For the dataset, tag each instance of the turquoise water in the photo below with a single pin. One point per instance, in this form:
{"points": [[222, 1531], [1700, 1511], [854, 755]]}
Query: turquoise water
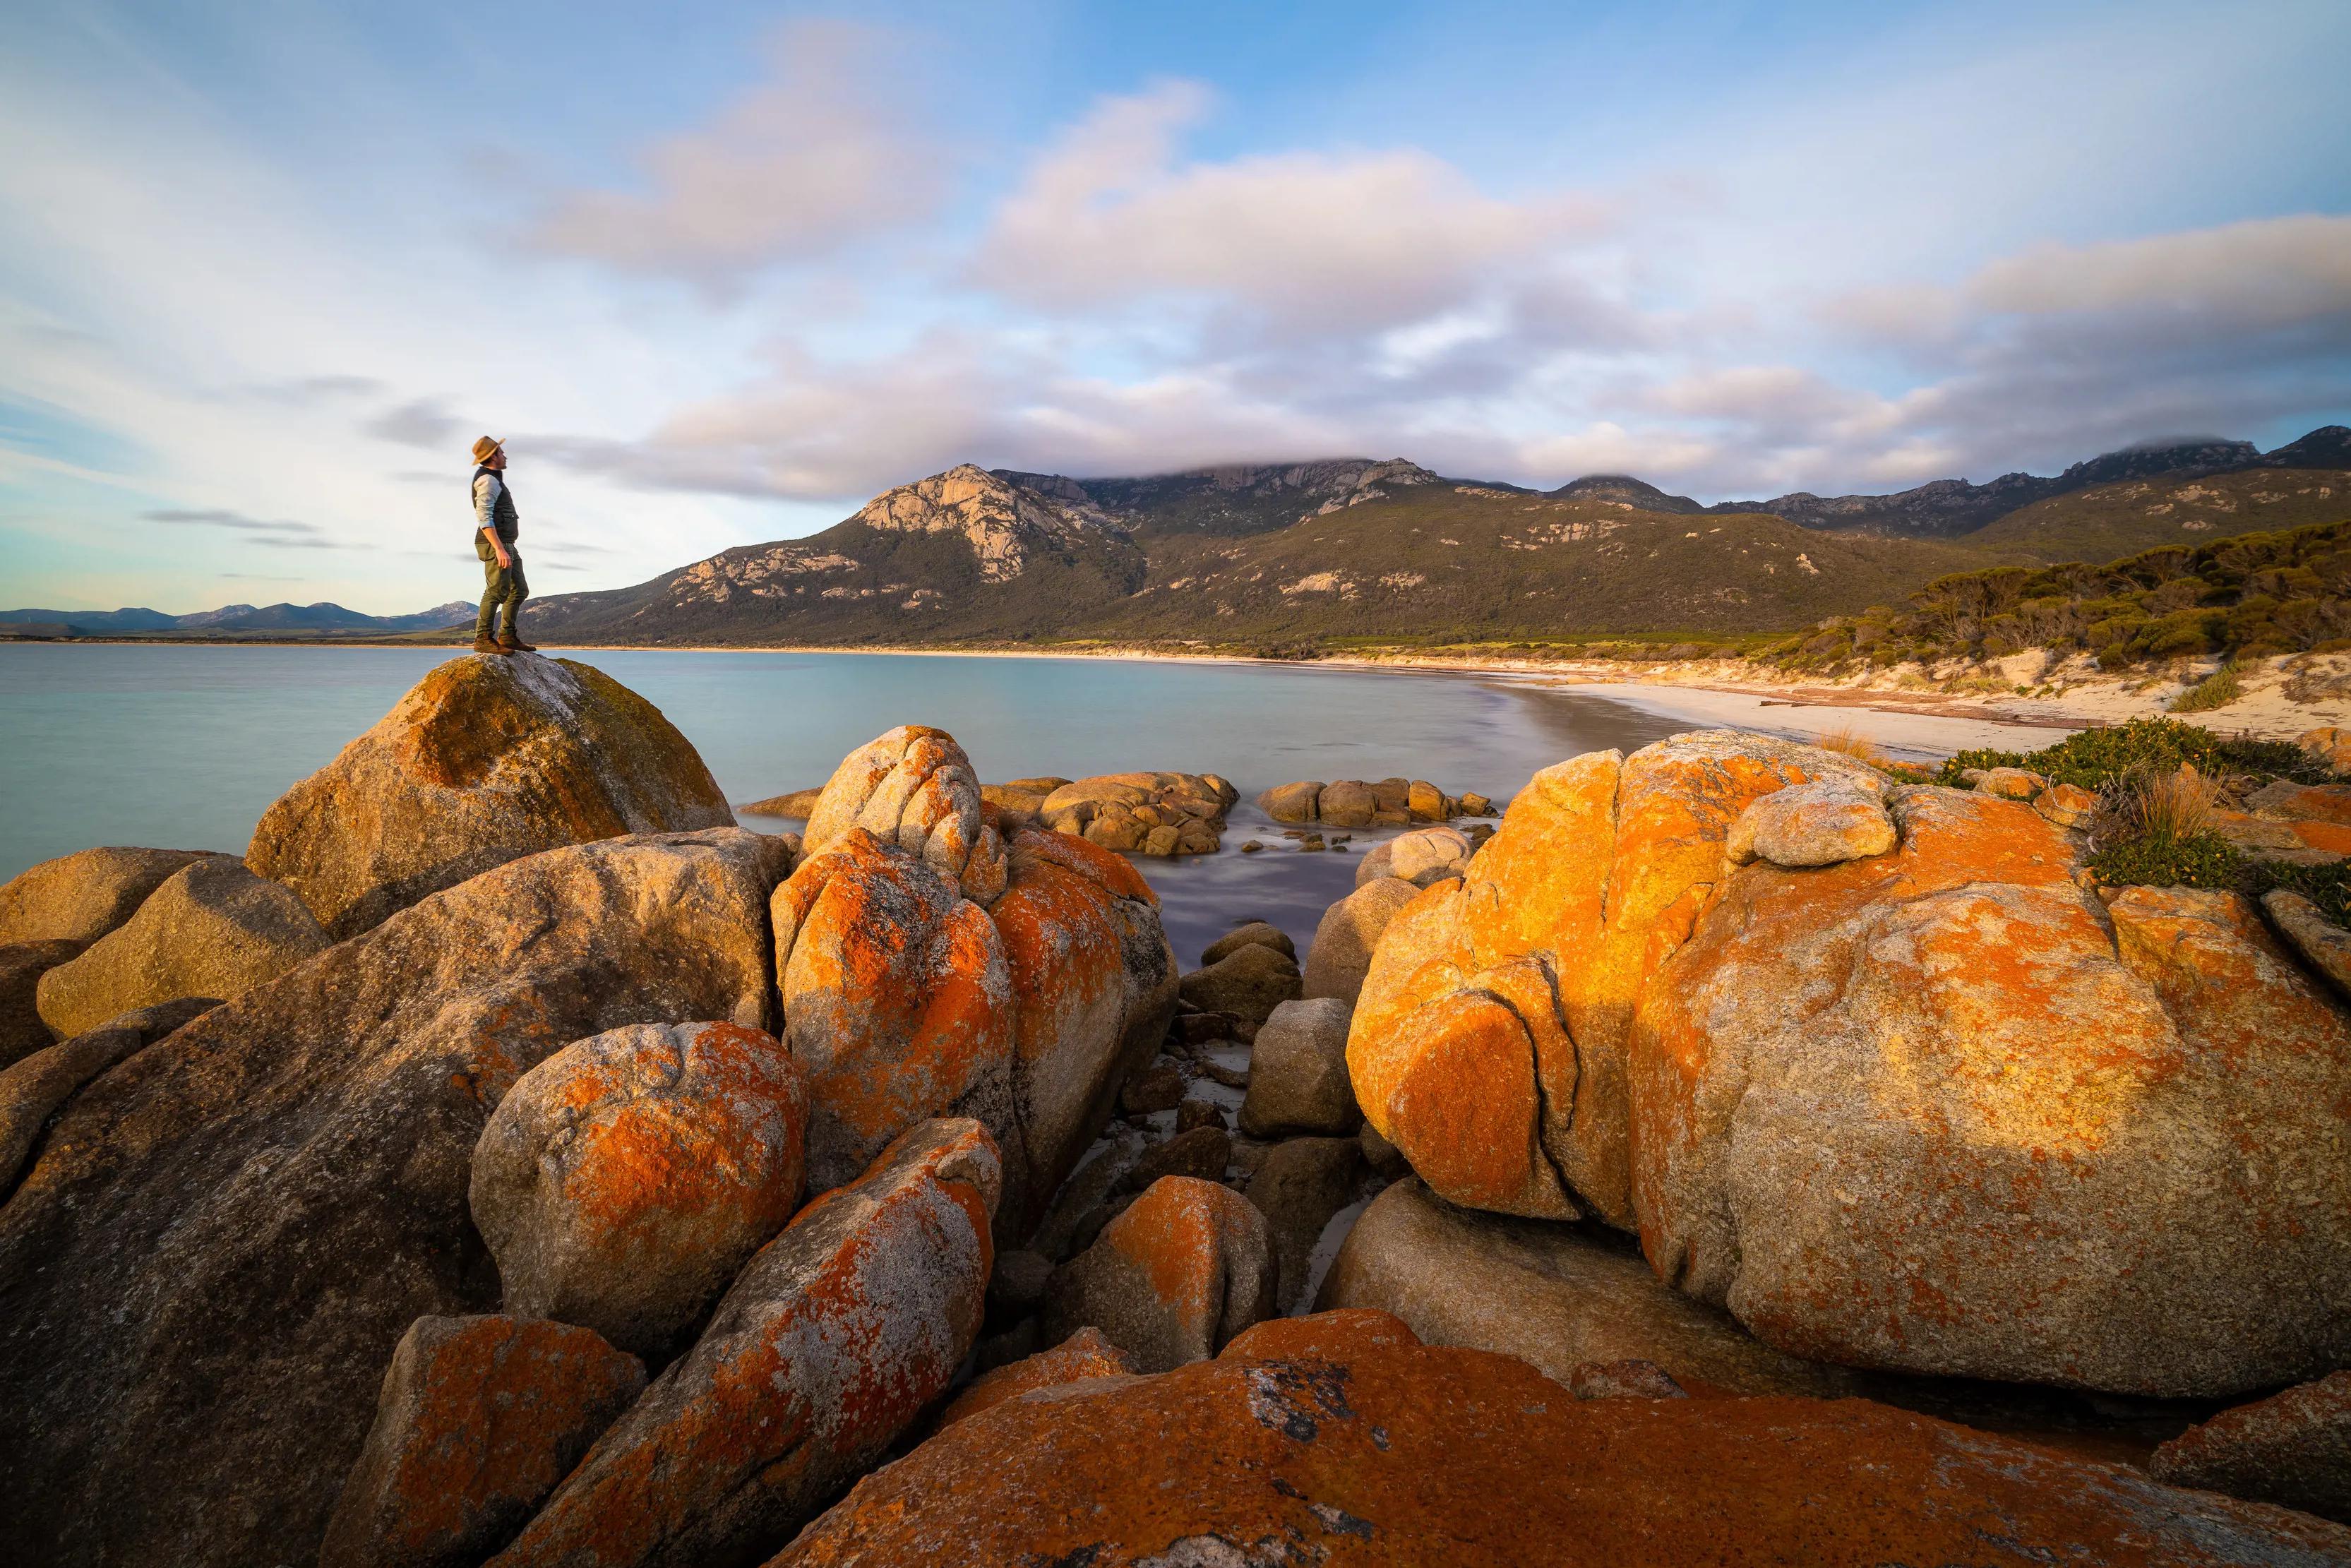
{"points": [[184, 747]]}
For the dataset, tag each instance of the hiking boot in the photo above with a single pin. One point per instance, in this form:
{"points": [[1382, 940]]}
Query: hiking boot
{"points": [[510, 643], [484, 645]]}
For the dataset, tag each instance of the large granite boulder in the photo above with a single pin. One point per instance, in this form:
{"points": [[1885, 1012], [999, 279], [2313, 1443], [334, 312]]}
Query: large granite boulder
{"points": [[477, 1419], [1347, 935], [204, 1273], [896, 997], [1916, 1113], [22, 965], [914, 789], [1183, 1269], [829, 1344], [1555, 1296], [485, 760], [211, 929], [1491, 1035], [1345, 1446], [1094, 983], [621, 1183], [908, 992], [32, 1090], [80, 897]]}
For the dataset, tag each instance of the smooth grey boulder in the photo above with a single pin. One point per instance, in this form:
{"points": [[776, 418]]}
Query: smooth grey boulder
{"points": [[622, 1182], [1350, 930], [22, 965], [1247, 983], [211, 929], [204, 1272], [32, 1090], [1297, 1186], [82, 896], [477, 1420], [1421, 857], [1298, 1072], [1825, 822], [1548, 1293]]}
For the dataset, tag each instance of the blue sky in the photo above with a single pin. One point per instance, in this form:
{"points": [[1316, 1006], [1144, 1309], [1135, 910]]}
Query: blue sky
{"points": [[721, 272]]}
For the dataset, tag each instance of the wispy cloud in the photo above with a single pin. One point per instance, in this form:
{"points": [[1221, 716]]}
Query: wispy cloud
{"points": [[826, 154], [278, 534], [424, 423]]}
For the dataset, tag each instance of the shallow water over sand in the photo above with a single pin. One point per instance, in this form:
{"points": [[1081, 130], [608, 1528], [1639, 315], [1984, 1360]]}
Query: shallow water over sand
{"points": [[184, 747]]}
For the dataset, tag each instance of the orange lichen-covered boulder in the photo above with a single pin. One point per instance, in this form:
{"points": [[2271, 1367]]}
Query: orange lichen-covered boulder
{"points": [[220, 1242], [1085, 1353], [829, 1344], [1092, 984], [2292, 1448], [478, 1418], [485, 760], [896, 997], [622, 1181], [1187, 1266], [1349, 1453], [914, 788], [1490, 1036], [1918, 1112]]}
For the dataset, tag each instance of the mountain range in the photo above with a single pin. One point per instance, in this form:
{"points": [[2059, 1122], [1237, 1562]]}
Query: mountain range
{"points": [[1271, 557], [229, 618], [1353, 548]]}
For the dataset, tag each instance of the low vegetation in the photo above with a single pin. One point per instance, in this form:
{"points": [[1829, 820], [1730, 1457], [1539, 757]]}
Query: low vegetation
{"points": [[2098, 760], [2252, 596]]}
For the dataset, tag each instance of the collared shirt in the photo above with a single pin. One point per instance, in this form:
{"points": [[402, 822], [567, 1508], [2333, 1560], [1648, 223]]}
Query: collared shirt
{"points": [[487, 489]]}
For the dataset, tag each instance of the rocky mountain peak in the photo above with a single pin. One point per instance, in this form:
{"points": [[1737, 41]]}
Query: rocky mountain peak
{"points": [[1003, 522], [1623, 490]]}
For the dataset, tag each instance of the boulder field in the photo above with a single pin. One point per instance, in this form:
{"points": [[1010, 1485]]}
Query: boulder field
{"points": [[514, 1162], [291, 1247]]}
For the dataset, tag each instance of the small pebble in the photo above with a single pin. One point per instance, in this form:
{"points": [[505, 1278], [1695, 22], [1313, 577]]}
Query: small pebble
{"points": [[1252, 847]]}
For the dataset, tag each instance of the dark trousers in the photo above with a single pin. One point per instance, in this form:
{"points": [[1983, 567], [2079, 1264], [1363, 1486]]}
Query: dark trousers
{"points": [[500, 585]]}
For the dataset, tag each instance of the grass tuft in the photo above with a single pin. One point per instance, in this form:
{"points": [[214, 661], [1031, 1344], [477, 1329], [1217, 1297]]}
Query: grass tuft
{"points": [[2218, 689]]}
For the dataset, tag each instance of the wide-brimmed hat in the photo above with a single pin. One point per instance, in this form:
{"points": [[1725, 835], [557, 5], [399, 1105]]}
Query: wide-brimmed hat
{"points": [[485, 446]]}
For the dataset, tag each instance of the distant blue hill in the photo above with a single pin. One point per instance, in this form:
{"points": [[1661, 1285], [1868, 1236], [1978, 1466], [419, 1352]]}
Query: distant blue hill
{"points": [[319, 617]]}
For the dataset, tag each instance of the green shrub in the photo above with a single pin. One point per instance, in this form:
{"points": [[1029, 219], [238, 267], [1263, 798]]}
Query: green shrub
{"points": [[2218, 689], [2197, 860], [2097, 757]]}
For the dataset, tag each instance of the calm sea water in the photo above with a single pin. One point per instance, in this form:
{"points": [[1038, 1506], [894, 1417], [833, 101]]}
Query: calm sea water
{"points": [[184, 747]]}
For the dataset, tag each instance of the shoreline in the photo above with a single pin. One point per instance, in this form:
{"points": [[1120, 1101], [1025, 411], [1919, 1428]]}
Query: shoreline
{"points": [[2283, 696]]}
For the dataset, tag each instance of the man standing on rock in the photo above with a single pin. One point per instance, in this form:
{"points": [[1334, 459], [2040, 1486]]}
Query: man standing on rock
{"points": [[496, 526]]}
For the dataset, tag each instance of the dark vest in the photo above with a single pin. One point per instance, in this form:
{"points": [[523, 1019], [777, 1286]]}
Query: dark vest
{"points": [[502, 511]]}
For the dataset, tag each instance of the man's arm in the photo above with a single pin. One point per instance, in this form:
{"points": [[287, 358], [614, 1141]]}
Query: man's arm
{"points": [[485, 510]]}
